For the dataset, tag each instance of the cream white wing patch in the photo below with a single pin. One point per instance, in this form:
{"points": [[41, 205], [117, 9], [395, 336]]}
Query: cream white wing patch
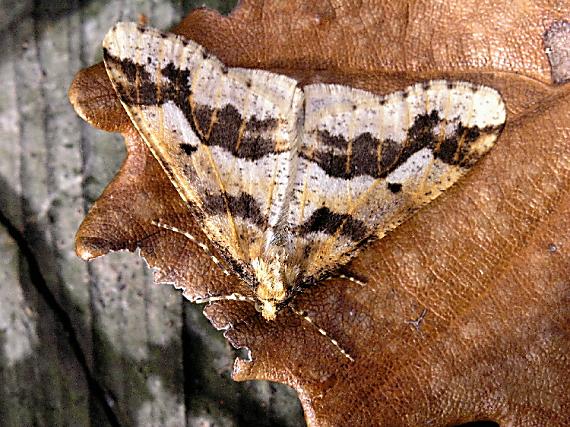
{"points": [[369, 162], [226, 137], [290, 183]]}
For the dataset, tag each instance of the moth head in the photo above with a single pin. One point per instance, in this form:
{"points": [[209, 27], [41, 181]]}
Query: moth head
{"points": [[275, 280]]}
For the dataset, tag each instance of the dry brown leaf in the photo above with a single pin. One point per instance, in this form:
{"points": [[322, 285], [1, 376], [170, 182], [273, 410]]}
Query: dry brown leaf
{"points": [[485, 268]]}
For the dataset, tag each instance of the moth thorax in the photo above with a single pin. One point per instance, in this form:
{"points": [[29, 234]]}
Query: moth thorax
{"points": [[275, 278]]}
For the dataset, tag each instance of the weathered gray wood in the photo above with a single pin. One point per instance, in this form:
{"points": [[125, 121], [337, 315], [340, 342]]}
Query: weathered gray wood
{"points": [[99, 343]]}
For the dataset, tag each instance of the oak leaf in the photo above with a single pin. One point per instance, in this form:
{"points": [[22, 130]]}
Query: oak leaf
{"points": [[466, 307]]}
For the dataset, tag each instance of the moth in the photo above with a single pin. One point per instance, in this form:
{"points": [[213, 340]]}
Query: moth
{"points": [[289, 183]]}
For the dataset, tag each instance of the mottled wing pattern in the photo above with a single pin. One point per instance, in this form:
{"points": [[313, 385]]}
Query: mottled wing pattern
{"points": [[227, 137], [319, 172], [368, 162]]}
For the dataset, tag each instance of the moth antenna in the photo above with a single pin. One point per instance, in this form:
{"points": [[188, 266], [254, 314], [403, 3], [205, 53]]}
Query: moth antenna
{"points": [[231, 297], [351, 279], [192, 238], [345, 277], [322, 332]]}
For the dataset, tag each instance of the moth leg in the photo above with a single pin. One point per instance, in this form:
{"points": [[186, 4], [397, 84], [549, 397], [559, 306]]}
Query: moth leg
{"points": [[196, 241], [322, 332], [231, 297], [346, 277]]}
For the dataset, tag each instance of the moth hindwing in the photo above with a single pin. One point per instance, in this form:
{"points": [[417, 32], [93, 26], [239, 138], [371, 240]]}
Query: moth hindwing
{"points": [[292, 182]]}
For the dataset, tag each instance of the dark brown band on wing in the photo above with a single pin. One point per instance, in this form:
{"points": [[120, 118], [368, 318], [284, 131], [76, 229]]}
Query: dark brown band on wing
{"points": [[249, 138], [326, 221], [378, 158], [322, 220], [243, 206]]}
